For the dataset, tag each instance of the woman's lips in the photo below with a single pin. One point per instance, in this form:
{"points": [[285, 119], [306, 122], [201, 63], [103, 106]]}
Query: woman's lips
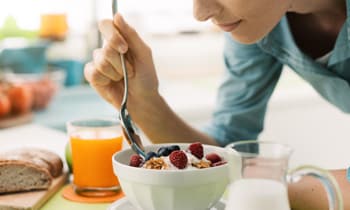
{"points": [[229, 27]]}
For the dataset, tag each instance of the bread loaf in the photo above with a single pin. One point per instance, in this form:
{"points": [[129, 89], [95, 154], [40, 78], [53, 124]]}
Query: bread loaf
{"points": [[28, 169]]}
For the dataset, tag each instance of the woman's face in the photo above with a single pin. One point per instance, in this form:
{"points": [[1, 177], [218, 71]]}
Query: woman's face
{"points": [[247, 20]]}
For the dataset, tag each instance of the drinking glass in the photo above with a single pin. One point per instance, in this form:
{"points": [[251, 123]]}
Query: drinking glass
{"points": [[93, 143]]}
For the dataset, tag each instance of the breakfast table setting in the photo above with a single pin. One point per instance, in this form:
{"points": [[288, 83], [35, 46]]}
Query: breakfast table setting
{"points": [[48, 130], [142, 186], [38, 136]]}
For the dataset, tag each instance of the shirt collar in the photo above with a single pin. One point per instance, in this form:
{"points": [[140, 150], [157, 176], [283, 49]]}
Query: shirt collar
{"points": [[281, 37], [342, 45], [341, 49]]}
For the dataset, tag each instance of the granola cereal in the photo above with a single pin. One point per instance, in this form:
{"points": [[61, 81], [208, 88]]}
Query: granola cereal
{"points": [[156, 163]]}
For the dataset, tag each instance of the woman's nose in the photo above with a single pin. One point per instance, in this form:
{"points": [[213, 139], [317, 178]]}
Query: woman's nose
{"points": [[204, 9]]}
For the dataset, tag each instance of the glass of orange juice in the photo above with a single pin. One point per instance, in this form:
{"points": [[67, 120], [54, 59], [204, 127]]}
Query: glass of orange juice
{"points": [[93, 143]]}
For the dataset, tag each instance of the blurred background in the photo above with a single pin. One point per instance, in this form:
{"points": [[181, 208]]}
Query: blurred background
{"points": [[53, 39]]}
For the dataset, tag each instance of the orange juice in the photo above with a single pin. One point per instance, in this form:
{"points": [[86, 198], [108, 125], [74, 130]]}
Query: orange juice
{"points": [[92, 158]]}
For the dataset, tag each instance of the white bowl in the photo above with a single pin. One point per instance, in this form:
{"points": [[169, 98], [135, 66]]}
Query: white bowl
{"points": [[150, 189]]}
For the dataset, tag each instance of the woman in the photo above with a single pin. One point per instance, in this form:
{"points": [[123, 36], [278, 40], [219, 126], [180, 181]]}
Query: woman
{"points": [[309, 36]]}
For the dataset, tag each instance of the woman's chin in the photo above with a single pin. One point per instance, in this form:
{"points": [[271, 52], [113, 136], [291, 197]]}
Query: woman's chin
{"points": [[245, 39]]}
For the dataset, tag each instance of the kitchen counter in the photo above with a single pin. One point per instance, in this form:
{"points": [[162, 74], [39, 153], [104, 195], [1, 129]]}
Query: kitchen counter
{"points": [[57, 202]]}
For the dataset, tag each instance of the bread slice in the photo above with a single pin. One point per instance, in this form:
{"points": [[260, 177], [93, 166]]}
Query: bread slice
{"points": [[26, 169], [45, 158], [17, 176]]}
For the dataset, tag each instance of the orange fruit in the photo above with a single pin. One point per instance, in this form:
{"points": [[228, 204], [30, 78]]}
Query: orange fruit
{"points": [[5, 105], [21, 98]]}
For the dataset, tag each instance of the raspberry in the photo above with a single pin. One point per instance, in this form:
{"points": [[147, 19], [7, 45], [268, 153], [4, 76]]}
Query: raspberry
{"points": [[213, 157], [196, 149], [222, 162], [135, 160], [179, 159]]}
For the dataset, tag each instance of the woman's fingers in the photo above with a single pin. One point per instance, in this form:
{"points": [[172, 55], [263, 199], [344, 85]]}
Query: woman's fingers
{"points": [[112, 36], [104, 66], [135, 43], [94, 77], [113, 46]]}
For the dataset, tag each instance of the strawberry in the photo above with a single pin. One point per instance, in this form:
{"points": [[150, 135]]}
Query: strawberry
{"points": [[222, 162], [135, 160], [213, 157], [196, 149], [179, 159]]}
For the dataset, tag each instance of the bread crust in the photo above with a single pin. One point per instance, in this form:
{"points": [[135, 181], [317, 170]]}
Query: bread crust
{"points": [[43, 158], [25, 169], [25, 163]]}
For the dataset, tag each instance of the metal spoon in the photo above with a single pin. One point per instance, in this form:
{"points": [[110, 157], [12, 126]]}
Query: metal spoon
{"points": [[133, 139]]}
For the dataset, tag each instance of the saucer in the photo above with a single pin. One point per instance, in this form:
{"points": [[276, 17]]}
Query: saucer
{"points": [[124, 204]]}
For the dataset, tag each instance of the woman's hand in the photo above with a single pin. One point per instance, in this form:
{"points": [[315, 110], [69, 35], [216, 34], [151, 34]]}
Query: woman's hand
{"points": [[146, 106], [105, 73]]}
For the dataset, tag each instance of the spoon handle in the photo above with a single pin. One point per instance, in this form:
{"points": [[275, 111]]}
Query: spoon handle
{"points": [[114, 7], [129, 133]]}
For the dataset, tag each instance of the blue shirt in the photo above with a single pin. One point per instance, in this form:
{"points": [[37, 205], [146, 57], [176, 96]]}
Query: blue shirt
{"points": [[252, 72]]}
